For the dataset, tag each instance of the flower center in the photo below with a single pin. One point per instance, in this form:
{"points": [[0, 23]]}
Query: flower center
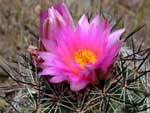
{"points": [[84, 56]]}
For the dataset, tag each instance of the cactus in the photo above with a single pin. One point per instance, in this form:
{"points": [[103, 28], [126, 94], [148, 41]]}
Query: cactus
{"points": [[127, 91]]}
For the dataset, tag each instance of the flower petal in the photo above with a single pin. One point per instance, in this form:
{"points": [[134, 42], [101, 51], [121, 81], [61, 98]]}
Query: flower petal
{"points": [[63, 10], [81, 33], [73, 78], [110, 55], [95, 22], [114, 37], [57, 79], [83, 23], [50, 71], [105, 24], [76, 86], [47, 56], [50, 26], [43, 17], [56, 18]]}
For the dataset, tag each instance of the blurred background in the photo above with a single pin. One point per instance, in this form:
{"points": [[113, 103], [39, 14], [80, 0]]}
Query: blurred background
{"points": [[19, 23], [19, 19]]}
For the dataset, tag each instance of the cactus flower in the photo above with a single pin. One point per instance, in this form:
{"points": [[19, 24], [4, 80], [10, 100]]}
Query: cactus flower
{"points": [[73, 53]]}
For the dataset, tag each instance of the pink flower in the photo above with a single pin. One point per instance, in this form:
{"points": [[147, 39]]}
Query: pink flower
{"points": [[73, 53]]}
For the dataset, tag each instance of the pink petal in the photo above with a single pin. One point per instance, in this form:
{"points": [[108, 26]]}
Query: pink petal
{"points": [[110, 55], [101, 45], [105, 24], [64, 53], [56, 18], [115, 36], [63, 10], [95, 22], [50, 71], [83, 23], [43, 17], [46, 56], [59, 65], [51, 25], [48, 32], [87, 74], [57, 79], [99, 35], [73, 78], [49, 44], [81, 33], [76, 86], [91, 76]]}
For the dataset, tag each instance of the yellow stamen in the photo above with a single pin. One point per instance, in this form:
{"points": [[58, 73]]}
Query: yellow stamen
{"points": [[84, 56]]}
